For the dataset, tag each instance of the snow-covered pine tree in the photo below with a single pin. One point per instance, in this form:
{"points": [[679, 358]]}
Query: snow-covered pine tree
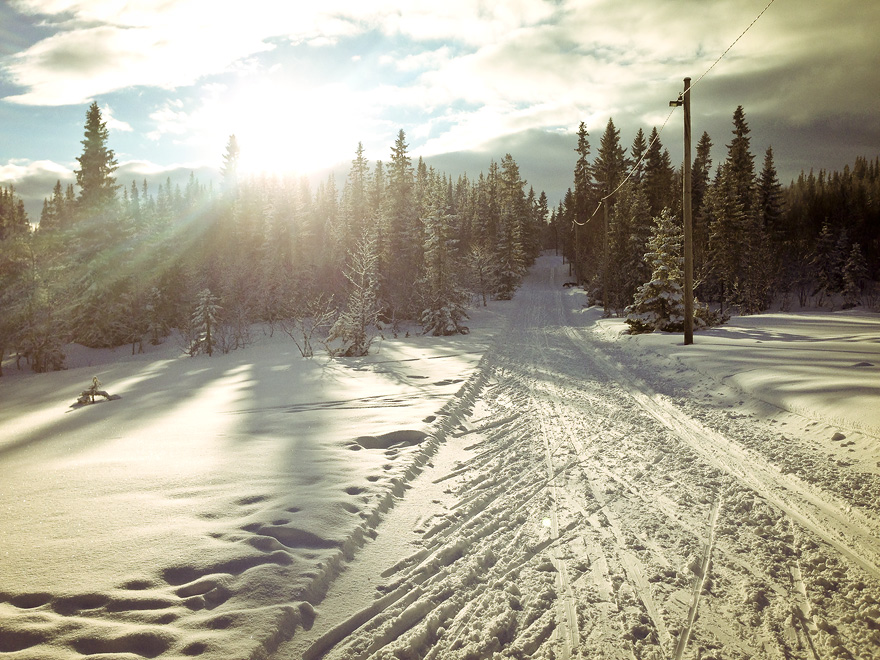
{"points": [[355, 326], [659, 304], [204, 323]]}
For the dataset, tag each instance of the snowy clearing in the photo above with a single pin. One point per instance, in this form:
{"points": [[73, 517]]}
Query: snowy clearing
{"points": [[544, 487]]}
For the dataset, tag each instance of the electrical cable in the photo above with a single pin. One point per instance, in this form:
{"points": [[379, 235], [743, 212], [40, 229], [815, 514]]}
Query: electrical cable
{"points": [[666, 121]]}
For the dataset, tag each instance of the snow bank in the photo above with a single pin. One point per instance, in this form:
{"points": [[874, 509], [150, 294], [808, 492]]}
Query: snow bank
{"points": [[822, 365]]}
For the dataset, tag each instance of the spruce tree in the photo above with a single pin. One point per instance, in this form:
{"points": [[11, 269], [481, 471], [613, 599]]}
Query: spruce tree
{"points": [[855, 274], [582, 176], [354, 196], [637, 151], [609, 167], [445, 300], [510, 257], [658, 176], [741, 162], [204, 323], [582, 198], [96, 165], [356, 326], [659, 303], [630, 229], [404, 244], [727, 225], [229, 169], [770, 198]]}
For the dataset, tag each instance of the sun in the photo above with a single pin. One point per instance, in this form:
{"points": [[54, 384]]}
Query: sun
{"points": [[288, 130]]}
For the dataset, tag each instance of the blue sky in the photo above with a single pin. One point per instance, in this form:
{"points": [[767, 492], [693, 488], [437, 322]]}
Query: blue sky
{"points": [[300, 84]]}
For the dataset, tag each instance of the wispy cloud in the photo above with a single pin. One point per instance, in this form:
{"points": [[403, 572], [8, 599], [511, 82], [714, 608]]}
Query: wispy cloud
{"points": [[456, 74]]}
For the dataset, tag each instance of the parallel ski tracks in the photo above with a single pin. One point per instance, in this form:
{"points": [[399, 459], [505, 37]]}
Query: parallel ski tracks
{"points": [[851, 533]]}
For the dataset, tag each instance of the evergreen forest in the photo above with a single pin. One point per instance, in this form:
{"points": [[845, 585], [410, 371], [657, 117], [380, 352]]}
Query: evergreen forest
{"points": [[398, 243], [756, 243]]}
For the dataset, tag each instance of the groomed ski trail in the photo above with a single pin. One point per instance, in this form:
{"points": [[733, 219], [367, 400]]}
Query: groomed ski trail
{"points": [[565, 515]]}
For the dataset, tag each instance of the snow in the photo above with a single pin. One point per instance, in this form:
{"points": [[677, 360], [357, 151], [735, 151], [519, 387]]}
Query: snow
{"points": [[823, 365], [546, 486]]}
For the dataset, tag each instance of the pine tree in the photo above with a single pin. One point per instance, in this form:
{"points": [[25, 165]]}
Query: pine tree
{"points": [[609, 167], [659, 304], [404, 244], [355, 327], [510, 257], [445, 300], [229, 169], [700, 177], [204, 323], [658, 176], [637, 151], [855, 274], [741, 162], [770, 197], [97, 165]]}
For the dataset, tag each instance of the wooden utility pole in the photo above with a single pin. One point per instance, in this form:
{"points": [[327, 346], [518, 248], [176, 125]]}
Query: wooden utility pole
{"points": [[688, 222], [605, 259], [687, 211]]}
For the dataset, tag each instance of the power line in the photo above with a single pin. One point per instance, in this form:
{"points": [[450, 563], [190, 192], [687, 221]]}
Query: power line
{"points": [[666, 121]]}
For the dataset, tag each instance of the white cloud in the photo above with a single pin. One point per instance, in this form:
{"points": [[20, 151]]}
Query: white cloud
{"points": [[112, 122], [21, 169], [109, 45], [170, 118], [474, 70]]}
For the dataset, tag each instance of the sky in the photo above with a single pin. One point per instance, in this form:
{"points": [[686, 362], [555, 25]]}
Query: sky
{"points": [[301, 84]]}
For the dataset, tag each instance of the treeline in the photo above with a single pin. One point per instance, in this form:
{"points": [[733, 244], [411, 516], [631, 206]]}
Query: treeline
{"points": [[400, 242], [755, 241]]}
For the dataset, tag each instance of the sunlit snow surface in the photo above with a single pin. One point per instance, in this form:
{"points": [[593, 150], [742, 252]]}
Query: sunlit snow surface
{"points": [[211, 498], [201, 513]]}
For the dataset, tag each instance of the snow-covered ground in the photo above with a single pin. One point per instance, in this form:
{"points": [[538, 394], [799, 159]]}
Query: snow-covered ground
{"points": [[544, 487]]}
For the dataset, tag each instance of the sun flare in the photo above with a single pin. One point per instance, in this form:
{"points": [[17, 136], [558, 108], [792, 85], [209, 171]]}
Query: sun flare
{"points": [[286, 130]]}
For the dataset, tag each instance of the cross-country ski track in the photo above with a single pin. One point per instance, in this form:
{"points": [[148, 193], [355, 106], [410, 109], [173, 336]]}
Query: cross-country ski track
{"points": [[546, 486], [577, 510]]}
